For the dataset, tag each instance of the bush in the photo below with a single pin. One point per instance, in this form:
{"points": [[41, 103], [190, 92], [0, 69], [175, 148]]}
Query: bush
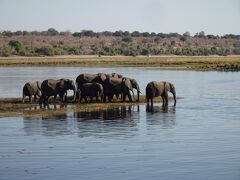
{"points": [[145, 52], [16, 45], [127, 39], [46, 51], [74, 50], [5, 51]]}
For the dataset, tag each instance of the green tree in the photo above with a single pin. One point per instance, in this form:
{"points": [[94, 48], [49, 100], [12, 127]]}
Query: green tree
{"points": [[16, 45], [52, 32], [127, 39]]}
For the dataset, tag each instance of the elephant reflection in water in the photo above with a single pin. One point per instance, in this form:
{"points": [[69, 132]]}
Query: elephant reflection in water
{"points": [[47, 126], [116, 121], [121, 112], [161, 115]]}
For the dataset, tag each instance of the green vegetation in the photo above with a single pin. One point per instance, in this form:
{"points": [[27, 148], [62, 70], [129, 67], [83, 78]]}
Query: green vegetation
{"points": [[88, 42]]}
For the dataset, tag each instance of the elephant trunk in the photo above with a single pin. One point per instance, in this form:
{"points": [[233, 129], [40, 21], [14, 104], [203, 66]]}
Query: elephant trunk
{"points": [[138, 92], [174, 97]]}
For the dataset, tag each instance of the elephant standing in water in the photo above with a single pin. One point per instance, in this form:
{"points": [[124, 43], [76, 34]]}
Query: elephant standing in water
{"points": [[135, 85], [115, 86], [59, 87], [32, 89], [90, 78], [90, 90], [155, 89]]}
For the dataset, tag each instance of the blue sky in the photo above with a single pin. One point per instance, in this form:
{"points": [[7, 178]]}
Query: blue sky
{"points": [[212, 16]]}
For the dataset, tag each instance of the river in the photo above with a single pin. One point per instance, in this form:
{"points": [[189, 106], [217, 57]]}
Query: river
{"points": [[197, 139]]}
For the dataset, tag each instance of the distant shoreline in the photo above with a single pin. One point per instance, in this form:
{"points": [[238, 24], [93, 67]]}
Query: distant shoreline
{"points": [[199, 63]]}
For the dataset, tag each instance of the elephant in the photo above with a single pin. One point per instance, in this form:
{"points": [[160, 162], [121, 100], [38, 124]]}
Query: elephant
{"points": [[113, 86], [154, 89], [51, 87], [31, 89], [90, 90], [116, 75], [135, 85], [89, 78]]}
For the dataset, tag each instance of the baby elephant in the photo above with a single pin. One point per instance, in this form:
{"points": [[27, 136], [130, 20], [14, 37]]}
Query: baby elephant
{"points": [[90, 90], [32, 89], [155, 89]]}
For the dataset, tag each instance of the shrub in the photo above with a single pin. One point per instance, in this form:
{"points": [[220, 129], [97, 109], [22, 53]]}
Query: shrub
{"points": [[5, 51], [74, 50], [46, 51], [127, 39], [16, 45]]}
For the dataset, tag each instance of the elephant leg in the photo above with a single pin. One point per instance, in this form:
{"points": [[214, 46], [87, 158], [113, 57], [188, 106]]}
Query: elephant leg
{"points": [[30, 99], [151, 101], [110, 98], [55, 97], [65, 96], [35, 97], [166, 99], [23, 99], [129, 97], [124, 98], [104, 98], [163, 100], [91, 98]]}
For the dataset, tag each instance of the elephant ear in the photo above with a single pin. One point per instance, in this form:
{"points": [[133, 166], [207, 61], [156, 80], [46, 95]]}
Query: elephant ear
{"points": [[102, 77], [167, 86], [128, 84], [171, 86]]}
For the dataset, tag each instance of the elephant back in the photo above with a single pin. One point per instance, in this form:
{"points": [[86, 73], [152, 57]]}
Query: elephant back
{"points": [[85, 78], [49, 86]]}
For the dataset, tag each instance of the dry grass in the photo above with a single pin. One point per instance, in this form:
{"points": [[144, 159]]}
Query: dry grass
{"points": [[171, 62]]}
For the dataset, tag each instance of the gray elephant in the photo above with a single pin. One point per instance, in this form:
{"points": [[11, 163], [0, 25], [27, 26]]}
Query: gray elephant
{"points": [[135, 85], [113, 86], [154, 89], [90, 78], [53, 87], [31, 89], [90, 90], [116, 75]]}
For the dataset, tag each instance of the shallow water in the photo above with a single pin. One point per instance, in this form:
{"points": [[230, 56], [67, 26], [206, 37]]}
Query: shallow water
{"points": [[197, 139]]}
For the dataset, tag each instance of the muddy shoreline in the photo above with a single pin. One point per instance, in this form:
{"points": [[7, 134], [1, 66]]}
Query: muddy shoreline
{"points": [[13, 107]]}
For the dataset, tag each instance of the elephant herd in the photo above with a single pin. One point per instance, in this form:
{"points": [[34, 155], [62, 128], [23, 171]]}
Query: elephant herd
{"points": [[103, 87]]}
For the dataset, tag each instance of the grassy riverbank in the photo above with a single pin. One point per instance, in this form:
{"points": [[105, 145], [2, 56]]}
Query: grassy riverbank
{"points": [[13, 107], [208, 63]]}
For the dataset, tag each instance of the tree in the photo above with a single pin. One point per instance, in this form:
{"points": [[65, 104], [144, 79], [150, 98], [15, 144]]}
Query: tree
{"points": [[186, 34], [118, 33], [16, 45], [135, 34], [127, 39], [200, 34], [145, 34], [52, 32]]}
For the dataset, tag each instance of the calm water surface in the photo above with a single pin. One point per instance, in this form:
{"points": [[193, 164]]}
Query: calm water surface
{"points": [[198, 139]]}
